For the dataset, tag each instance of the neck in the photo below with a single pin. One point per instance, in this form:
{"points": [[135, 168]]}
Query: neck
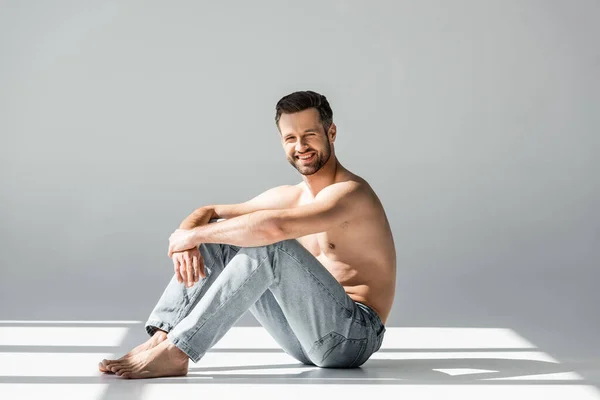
{"points": [[324, 177]]}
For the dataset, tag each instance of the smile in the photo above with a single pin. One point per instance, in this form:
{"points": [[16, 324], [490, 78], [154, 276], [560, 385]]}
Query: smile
{"points": [[308, 158]]}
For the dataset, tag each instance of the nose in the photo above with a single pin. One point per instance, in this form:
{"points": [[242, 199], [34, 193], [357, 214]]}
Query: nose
{"points": [[301, 146]]}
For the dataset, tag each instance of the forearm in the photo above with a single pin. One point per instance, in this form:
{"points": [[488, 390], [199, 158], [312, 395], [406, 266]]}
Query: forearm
{"points": [[249, 230], [199, 217]]}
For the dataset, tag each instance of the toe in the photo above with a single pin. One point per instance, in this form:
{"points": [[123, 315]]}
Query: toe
{"points": [[105, 366], [120, 367], [123, 371], [101, 367]]}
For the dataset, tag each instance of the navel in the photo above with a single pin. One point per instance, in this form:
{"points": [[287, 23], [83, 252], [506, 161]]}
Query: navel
{"points": [[331, 246]]}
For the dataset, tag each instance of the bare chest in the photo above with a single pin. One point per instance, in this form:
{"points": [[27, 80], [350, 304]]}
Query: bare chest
{"points": [[340, 249], [324, 244]]}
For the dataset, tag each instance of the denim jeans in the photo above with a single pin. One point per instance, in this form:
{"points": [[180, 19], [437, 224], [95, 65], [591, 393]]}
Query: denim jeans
{"points": [[291, 294]]}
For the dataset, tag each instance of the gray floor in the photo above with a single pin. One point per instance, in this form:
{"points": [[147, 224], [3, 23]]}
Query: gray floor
{"points": [[55, 359]]}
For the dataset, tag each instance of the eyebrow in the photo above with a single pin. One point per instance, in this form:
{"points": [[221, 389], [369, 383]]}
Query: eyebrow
{"points": [[306, 131]]}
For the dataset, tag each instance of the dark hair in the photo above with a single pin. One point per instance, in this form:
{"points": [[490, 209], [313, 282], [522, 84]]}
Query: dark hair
{"points": [[299, 101]]}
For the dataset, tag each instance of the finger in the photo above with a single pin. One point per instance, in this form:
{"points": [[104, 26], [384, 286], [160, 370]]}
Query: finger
{"points": [[189, 269], [180, 266], [201, 266], [182, 271], [201, 274], [176, 267], [196, 268]]}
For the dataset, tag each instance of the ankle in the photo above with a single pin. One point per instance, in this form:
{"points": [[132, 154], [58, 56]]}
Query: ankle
{"points": [[160, 334], [176, 352]]}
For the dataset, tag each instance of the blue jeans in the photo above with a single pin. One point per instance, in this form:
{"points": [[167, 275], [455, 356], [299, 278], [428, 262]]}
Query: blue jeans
{"points": [[291, 294]]}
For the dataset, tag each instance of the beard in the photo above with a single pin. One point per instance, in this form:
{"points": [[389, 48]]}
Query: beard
{"points": [[315, 165]]}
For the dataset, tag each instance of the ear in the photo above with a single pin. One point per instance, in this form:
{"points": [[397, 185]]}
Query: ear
{"points": [[332, 131]]}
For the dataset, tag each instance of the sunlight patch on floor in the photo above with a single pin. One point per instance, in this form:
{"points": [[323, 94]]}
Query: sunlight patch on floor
{"points": [[416, 363], [46, 391], [61, 336], [51, 364]]}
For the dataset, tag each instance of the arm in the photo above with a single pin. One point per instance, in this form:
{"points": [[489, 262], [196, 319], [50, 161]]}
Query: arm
{"points": [[332, 206], [245, 223], [200, 216], [277, 197], [248, 230]]}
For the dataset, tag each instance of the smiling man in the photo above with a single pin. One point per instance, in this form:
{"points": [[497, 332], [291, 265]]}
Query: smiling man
{"points": [[315, 263]]}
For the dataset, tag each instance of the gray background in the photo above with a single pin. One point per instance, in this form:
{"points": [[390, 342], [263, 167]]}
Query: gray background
{"points": [[476, 122]]}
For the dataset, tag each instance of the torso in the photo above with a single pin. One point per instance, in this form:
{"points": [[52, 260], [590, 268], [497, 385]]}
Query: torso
{"points": [[359, 253]]}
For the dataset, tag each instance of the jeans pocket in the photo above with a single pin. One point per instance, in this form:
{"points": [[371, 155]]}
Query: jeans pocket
{"points": [[336, 351]]}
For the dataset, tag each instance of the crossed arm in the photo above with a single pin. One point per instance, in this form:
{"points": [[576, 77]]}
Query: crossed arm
{"points": [[332, 206]]}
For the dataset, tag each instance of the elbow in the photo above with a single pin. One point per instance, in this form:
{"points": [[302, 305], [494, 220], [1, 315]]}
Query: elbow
{"points": [[267, 224], [276, 232], [274, 229], [210, 210]]}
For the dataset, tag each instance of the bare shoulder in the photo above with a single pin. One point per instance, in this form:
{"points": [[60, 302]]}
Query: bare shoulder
{"points": [[351, 185], [352, 188], [278, 197], [353, 193]]}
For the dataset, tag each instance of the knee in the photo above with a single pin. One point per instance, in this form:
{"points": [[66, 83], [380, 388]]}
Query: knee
{"points": [[210, 251], [291, 245]]}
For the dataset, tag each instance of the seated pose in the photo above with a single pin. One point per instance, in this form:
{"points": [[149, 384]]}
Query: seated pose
{"points": [[315, 263]]}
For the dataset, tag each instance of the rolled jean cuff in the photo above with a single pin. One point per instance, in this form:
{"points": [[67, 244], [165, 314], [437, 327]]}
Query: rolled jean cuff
{"points": [[186, 348], [152, 325]]}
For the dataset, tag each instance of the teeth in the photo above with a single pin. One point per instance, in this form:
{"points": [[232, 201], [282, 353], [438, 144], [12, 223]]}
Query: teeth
{"points": [[304, 158]]}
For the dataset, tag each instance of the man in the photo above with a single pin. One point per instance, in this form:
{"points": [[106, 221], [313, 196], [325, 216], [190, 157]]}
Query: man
{"points": [[315, 263]]}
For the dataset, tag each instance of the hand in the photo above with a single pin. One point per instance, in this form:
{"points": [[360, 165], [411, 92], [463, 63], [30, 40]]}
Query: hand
{"points": [[182, 239], [189, 266]]}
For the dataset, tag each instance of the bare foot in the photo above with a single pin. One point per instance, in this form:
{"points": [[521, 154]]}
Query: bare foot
{"points": [[165, 359], [158, 337]]}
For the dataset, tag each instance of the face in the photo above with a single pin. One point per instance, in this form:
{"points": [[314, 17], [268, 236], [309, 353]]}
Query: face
{"points": [[301, 134]]}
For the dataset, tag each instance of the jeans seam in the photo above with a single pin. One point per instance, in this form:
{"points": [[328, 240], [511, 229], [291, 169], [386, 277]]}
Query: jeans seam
{"points": [[318, 281], [186, 348], [231, 246], [363, 347], [361, 353], [228, 299]]}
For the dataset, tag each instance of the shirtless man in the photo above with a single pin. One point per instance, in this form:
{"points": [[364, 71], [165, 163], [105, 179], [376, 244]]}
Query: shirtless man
{"points": [[315, 263]]}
